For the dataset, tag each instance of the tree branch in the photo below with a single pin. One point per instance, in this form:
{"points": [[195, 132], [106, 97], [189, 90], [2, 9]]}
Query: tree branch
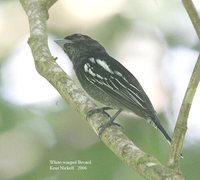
{"points": [[122, 146], [181, 124], [194, 17]]}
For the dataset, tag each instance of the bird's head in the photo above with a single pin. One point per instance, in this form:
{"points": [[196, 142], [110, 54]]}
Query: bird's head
{"points": [[78, 46]]}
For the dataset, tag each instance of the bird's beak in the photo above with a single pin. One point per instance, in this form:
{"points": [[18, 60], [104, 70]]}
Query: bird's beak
{"points": [[62, 42]]}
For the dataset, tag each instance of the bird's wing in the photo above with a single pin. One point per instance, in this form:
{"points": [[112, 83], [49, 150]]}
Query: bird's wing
{"points": [[117, 82], [122, 86]]}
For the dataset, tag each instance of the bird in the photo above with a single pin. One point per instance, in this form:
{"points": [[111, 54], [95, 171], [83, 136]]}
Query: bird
{"points": [[107, 81]]}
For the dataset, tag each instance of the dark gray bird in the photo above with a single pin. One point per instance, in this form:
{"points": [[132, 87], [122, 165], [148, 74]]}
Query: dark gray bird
{"points": [[108, 81]]}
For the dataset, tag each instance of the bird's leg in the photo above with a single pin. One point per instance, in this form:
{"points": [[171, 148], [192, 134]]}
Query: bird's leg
{"points": [[99, 110], [109, 123]]}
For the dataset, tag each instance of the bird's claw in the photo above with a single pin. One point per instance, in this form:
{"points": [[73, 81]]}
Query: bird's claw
{"points": [[108, 123], [98, 110], [102, 128], [55, 58]]}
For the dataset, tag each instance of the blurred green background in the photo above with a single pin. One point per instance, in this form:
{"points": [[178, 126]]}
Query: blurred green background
{"points": [[154, 39]]}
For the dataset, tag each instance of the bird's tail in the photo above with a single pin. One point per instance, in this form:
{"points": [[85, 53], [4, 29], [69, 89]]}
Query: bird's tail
{"points": [[156, 123]]}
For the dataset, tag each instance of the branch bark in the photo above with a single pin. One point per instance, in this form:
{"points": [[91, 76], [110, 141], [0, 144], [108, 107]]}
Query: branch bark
{"points": [[113, 137], [181, 124]]}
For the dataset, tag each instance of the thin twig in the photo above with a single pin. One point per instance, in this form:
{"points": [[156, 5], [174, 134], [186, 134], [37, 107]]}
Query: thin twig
{"points": [[194, 17], [181, 124]]}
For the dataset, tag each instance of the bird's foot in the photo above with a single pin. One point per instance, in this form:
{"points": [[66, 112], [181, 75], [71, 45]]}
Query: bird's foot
{"points": [[106, 125], [98, 110]]}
